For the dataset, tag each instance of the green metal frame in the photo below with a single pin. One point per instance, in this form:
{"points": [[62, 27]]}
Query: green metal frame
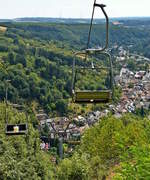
{"points": [[102, 96]]}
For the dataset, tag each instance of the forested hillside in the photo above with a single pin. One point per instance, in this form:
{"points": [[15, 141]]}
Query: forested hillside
{"points": [[20, 156], [37, 58]]}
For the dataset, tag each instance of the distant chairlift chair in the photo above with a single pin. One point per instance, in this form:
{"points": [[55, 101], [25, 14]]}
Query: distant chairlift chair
{"points": [[16, 129], [87, 96]]}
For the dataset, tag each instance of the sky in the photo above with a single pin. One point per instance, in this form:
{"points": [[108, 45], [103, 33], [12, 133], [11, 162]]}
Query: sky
{"points": [[72, 8]]}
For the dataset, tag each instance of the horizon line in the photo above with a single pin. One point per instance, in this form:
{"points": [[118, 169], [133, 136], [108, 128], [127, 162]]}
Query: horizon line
{"points": [[72, 17]]}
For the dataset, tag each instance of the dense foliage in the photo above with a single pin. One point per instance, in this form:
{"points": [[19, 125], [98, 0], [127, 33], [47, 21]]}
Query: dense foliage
{"points": [[20, 156], [114, 148], [37, 58]]}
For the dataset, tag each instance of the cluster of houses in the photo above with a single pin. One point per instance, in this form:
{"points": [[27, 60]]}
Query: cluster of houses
{"points": [[135, 90], [135, 85], [69, 130]]}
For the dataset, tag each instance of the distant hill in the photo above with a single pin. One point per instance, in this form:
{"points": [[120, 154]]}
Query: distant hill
{"points": [[140, 20], [52, 20]]}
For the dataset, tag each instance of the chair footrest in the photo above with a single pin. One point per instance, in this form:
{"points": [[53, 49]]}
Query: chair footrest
{"points": [[16, 133]]}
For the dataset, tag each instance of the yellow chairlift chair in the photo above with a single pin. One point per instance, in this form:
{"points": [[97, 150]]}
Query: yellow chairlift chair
{"points": [[97, 96]]}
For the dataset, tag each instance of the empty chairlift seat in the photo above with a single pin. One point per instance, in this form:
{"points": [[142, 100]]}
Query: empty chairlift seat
{"points": [[17, 129], [87, 96], [103, 96]]}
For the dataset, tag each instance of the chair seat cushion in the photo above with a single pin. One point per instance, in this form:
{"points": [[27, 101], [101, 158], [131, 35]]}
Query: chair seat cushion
{"points": [[92, 96]]}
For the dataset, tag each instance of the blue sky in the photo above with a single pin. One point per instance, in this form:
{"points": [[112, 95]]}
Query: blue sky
{"points": [[71, 8]]}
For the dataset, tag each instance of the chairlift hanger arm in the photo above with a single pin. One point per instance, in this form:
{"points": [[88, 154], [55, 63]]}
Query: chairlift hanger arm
{"points": [[102, 6], [82, 53]]}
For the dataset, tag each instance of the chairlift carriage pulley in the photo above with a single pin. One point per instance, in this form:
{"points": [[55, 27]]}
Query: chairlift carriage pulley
{"points": [[97, 96]]}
